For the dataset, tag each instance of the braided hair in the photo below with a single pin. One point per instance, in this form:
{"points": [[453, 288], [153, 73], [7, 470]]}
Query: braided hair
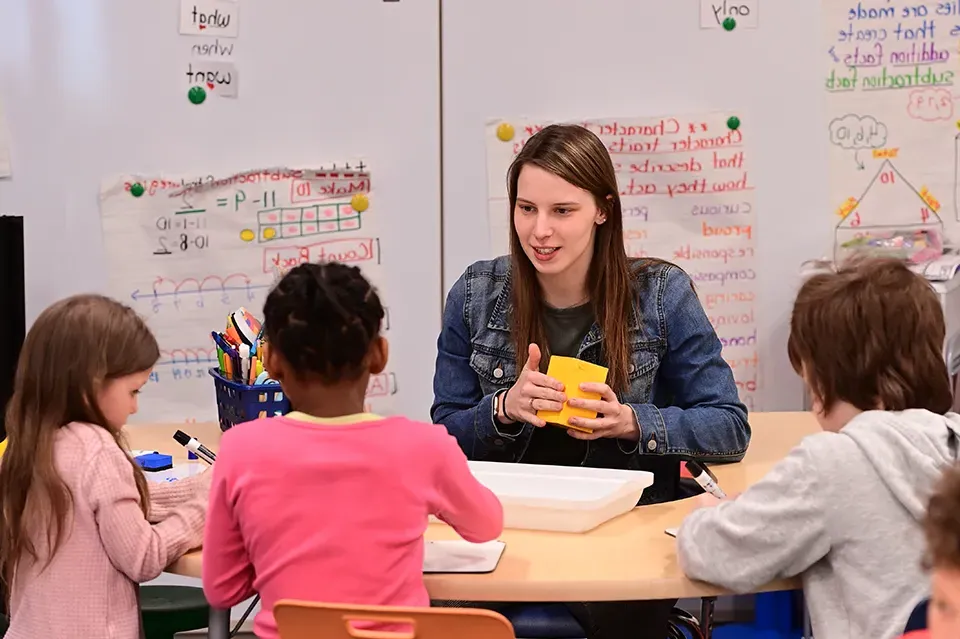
{"points": [[322, 318]]}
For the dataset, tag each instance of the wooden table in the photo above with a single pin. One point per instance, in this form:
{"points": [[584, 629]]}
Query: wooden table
{"points": [[628, 558]]}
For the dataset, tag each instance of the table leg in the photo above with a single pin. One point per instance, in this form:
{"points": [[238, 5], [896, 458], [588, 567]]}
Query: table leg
{"points": [[706, 616], [219, 624]]}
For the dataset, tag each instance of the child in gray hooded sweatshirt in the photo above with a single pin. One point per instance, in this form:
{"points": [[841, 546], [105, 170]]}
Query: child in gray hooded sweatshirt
{"points": [[845, 508]]}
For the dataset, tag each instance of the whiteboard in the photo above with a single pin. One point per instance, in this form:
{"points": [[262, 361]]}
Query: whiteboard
{"points": [[97, 89], [566, 61]]}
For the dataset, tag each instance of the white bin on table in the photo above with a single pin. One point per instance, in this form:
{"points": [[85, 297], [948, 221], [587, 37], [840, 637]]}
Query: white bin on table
{"points": [[561, 498]]}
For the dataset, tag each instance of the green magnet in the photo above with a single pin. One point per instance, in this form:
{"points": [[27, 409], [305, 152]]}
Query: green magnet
{"points": [[136, 190], [729, 24], [733, 123], [197, 95]]}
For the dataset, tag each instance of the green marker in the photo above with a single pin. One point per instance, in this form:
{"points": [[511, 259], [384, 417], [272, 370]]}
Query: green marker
{"points": [[729, 24], [197, 95], [733, 123], [136, 190]]}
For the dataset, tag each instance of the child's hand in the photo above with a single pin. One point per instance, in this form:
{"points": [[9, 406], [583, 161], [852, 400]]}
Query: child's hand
{"points": [[706, 500]]}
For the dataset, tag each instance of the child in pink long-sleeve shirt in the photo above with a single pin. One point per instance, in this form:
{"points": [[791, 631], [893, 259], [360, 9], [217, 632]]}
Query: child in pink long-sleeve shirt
{"points": [[80, 525], [330, 503]]}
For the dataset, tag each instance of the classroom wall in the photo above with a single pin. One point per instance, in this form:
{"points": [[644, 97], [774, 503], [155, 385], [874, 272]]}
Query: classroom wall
{"points": [[94, 95], [95, 89]]}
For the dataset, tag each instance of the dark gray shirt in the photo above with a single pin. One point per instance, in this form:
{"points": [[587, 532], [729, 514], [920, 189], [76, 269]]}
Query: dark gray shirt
{"points": [[565, 328]]}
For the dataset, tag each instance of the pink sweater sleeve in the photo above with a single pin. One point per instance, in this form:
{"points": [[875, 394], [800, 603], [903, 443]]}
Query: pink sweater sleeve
{"points": [[167, 496], [227, 570], [135, 547], [464, 503]]}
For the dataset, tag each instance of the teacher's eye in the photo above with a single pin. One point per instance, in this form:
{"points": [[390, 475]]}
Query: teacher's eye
{"points": [[562, 210], [527, 208]]}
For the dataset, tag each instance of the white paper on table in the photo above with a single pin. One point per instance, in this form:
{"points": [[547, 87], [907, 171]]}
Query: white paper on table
{"points": [[458, 556], [179, 471]]}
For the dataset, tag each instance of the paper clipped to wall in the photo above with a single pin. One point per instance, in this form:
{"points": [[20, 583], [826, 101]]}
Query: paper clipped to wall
{"points": [[187, 251], [213, 18], [687, 196], [891, 118], [729, 14]]}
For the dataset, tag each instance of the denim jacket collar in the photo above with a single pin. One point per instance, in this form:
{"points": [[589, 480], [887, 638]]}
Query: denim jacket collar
{"points": [[500, 318]]}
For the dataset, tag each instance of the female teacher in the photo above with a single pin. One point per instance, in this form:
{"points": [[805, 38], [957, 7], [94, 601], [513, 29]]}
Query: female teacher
{"points": [[567, 288]]}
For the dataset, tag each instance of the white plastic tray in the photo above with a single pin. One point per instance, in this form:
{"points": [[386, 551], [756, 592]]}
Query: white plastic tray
{"points": [[561, 498]]}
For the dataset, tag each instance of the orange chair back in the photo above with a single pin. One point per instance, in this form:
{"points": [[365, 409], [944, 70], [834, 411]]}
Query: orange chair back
{"points": [[307, 620]]}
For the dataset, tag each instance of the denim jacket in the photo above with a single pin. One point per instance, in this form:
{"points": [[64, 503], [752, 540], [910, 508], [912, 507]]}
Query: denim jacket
{"points": [[681, 389]]}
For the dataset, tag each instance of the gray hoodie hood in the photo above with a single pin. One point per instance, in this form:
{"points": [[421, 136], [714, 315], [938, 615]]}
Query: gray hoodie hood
{"points": [[908, 450]]}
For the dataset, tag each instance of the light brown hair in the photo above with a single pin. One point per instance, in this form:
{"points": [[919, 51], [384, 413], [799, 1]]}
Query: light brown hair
{"points": [[942, 523], [73, 347], [871, 334], [577, 156]]}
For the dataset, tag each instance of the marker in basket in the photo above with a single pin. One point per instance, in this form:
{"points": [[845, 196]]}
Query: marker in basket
{"points": [[244, 363], [192, 444], [231, 359], [706, 479]]}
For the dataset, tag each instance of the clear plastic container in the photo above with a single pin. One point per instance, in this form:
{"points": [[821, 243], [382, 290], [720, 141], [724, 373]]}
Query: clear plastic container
{"points": [[561, 498]]}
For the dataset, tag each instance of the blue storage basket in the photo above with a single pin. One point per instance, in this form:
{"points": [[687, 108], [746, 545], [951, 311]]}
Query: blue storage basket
{"points": [[238, 403]]}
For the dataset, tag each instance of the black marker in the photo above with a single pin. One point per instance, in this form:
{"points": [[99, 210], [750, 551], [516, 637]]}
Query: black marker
{"points": [[706, 479], [191, 443]]}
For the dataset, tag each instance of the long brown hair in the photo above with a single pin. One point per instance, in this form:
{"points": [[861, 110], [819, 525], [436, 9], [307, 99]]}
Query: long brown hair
{"points": [[576, 155], [74, 347]]}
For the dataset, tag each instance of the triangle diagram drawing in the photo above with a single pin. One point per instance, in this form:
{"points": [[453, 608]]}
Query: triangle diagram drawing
{"points": [[891, 201]]}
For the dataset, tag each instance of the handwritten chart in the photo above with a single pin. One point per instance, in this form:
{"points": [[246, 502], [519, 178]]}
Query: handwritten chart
{"points": [[687, 197], [185, 252], [891, 114]]}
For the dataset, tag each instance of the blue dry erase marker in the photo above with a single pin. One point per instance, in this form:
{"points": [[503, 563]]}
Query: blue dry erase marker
{"points": [[222, 343]]}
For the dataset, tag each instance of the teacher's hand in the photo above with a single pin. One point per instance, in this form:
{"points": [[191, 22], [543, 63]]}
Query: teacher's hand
{"points": [[613, 418], [533, 391]]}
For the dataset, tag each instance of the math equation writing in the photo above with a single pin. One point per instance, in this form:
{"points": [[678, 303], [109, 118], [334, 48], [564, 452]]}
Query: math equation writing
{"points": [[186, 251]]}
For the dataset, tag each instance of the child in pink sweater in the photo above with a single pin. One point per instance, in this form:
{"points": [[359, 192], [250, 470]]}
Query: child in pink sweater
{"points": [[330, 503], [80, 527]]}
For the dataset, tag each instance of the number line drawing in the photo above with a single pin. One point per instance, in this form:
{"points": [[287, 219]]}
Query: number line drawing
{"points": [[137, 295], [186, 356], [219, 284]]}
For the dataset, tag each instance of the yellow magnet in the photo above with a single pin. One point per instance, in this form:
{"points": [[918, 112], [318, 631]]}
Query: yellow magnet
{"points": [[505, 131], [269, 233], [247, 235], [360, 202]]}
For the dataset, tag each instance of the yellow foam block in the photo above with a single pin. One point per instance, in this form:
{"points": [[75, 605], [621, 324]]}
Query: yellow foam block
{"points": [[572, 372]]}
